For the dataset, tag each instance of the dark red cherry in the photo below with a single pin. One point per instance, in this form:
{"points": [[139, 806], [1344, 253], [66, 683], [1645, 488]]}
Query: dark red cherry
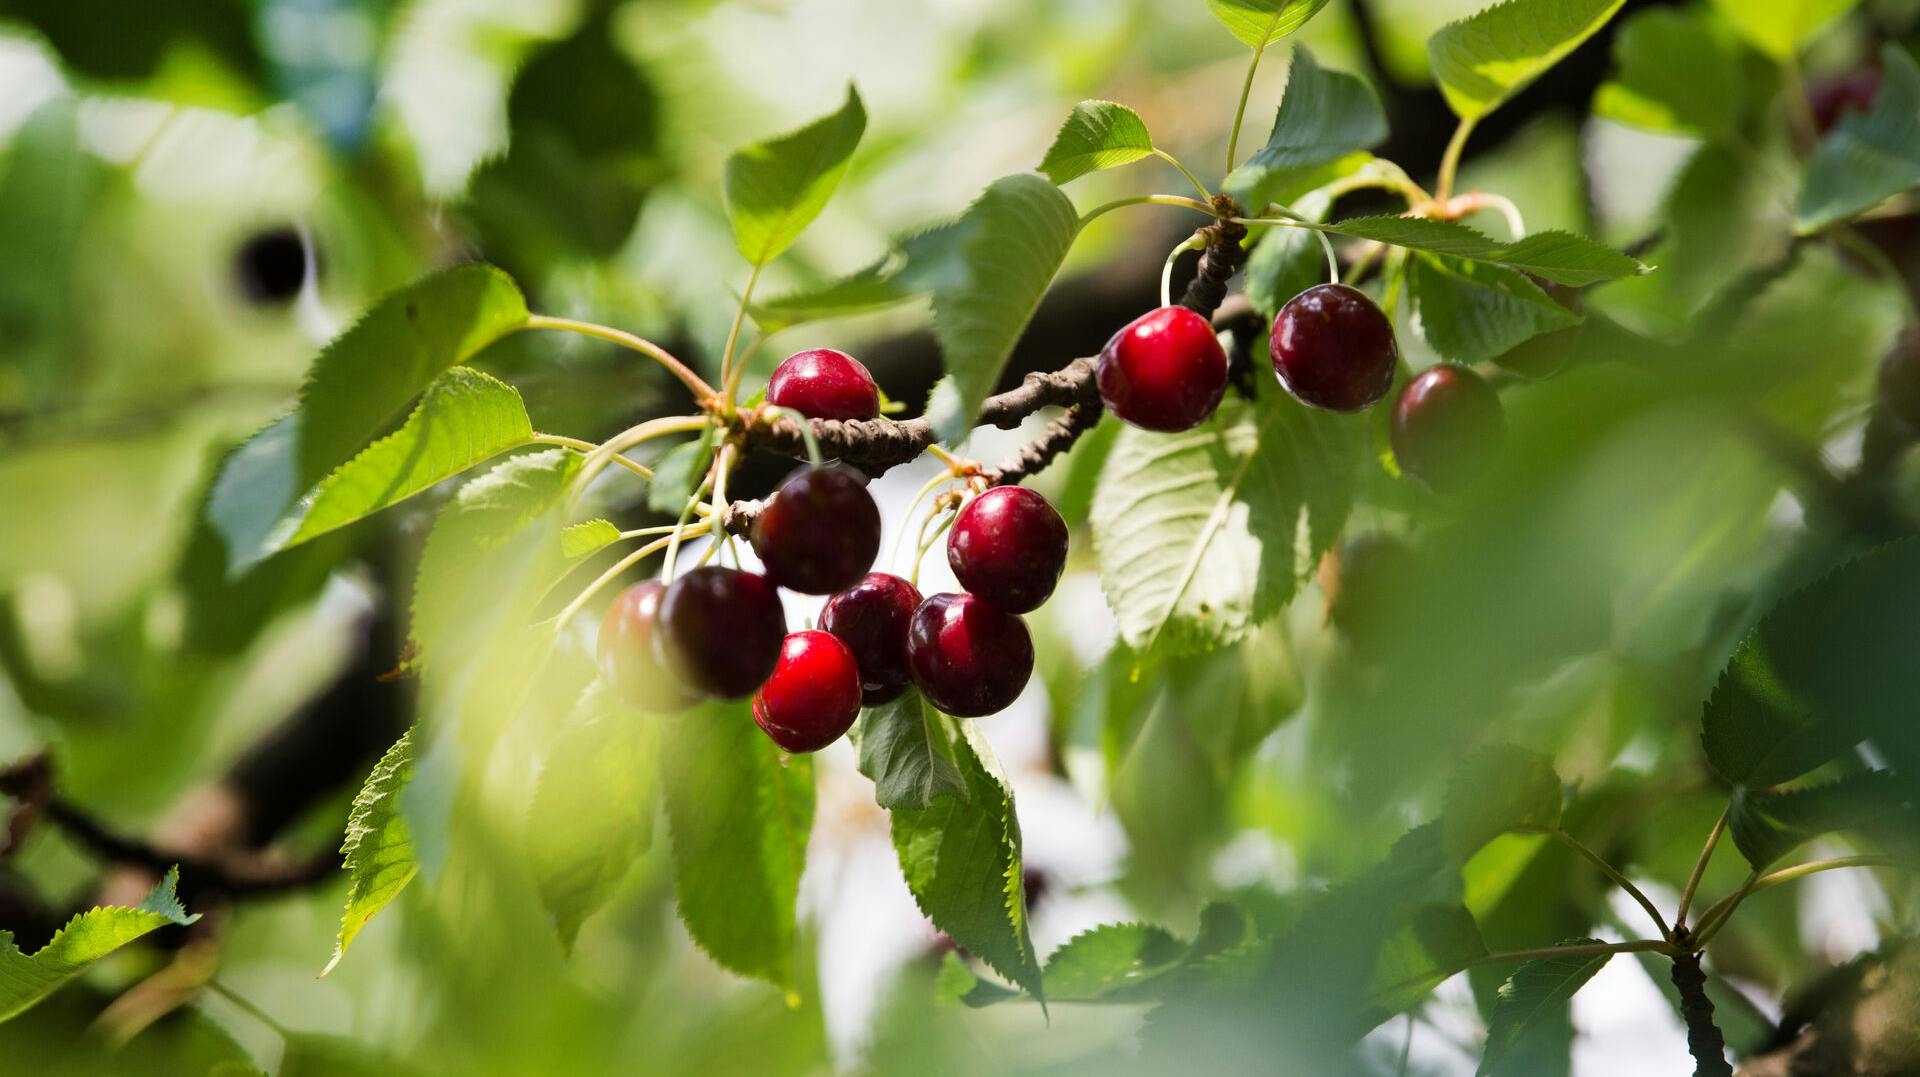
{"points": [[1334, 349], [628, 662], [871, 619], [820, 532], [812, 697], [1832, 99], [1008, 546], [824, 384], [720, 630], [970, 657], [1447, 427], [1165, 371]]}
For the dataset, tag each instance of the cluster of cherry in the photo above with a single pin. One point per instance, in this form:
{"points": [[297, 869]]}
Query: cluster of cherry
{"points": [[720, 633], [1333, 349]]}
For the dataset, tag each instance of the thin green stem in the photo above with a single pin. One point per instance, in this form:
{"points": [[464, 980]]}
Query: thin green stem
{"points": [[681, 531], [1614, 874], [1145, 200], [694, 382], [1205, 195], [805, 424], [632, 436], [1806, 126], [1450, 161], [1700, 868], [926, 541], [945, 476], [1716, 916], [1333, 259], [589, 448], [620, 566], [1516, 224], [249, 1007], [1193, 243], [1585, 949], [733, 335], [1246, 87]]}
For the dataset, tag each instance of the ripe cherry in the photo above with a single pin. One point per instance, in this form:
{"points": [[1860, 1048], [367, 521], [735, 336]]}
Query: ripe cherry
{"points": [[1447, 427], [1334, 349], [1854, 91], [720, 630], [813, 695], [1165, 371], [1008, 546], [871, 619], [824, 384], [970, 657], [820, 532], [628, 661]]}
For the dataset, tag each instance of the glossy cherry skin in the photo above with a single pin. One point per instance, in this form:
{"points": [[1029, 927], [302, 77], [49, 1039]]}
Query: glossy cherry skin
{"points": [[720, 630], [871, 618], [1166, 371], [1008, 546], [824, 384], [1334, 349], [1447, 427], [813, 696], [970, 657], [625, 650], [820, 532]]}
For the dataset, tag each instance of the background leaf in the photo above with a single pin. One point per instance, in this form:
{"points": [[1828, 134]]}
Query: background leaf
{"points": [[776, 188], [1768, 827], [740, 813], [586, 537], [86, 938], [1498, 789], [1097, 135], [1010, 244], [1324, 116], [1535, 988], [1489, 56], [1202, 535], [1780, 27], [1867, 158], [1471, 312], [1254, 22], [378, 851], [676, 474], [906, 753], [1561, 257], [1674, 71], [962, 861]]}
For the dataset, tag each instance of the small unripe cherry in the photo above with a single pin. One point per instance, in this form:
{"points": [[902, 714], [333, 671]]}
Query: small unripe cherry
{"points": [[871, 618], [813, 696], [970, 657], [820, 532], [821, 383], [625, 651], [1165, 371], [1447, 427], [1333, 348], [1008, 546], [720, 630]]}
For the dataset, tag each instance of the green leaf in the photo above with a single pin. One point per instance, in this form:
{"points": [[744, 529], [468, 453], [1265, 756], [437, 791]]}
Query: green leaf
{"points": [[1497, 789], [906, 755], [1768, 827], [360, 384], [1202, 535], [1325, 116], [1830, 666], [1287, 261], [1487, 57], [1009, 245], [88, 937], [1780, 27], [1471, 312], [378, 850], [774, 189], [1560, 257], [1536, 988], [676, 475], [464, 418], [961, 859], [1110, 961], [874, 287], [740, 813], [1259, 23], [592, 811], [1421, 947], [587, 537], [1868, 158], [1674, 71], [1097, 135]]}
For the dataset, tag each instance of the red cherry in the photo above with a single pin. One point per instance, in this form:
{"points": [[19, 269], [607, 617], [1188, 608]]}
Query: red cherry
{"points": [[820, 532], [1334, 349], [1008, 546], [1165, 371], [720, 630], [1447, 427], [871, 619], [824, 384], [970, 657], [1854, 91], [813, 695], [626, 654]]}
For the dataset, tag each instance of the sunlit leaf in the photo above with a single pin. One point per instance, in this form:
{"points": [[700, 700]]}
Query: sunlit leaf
{"points": [[378, 850], [1261, 22], [1487, 57], [1325, 116], [905, 753], [1780, 27], [1674, 71], [1497, 789], [1097, 135], [586, 537], [776, 188], [1561, 257], [88, 937]]}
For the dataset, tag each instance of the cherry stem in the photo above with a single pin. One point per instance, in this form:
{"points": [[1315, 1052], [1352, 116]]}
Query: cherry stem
{"points": [[694, 382], [1613, 874], [625, 563], [1193, 243], [1246, 87], [946, 519], [1700, 868], [728, 376], [680, 529], [613, 447], [1450, 161], [893, 555], [1146, 200], [1721, 911], [807, 435], [588, 448], [1205, 195]]}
